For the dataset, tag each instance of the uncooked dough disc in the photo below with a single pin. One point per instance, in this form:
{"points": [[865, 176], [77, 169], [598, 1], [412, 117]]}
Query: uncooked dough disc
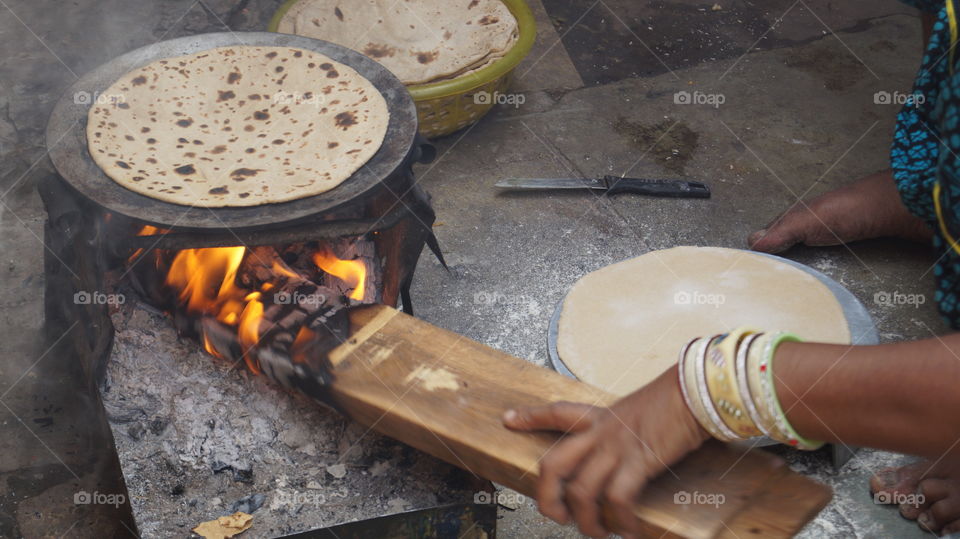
{"points": [[623, 325]]}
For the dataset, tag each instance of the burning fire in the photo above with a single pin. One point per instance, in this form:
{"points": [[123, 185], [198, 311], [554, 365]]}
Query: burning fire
{"points": [[351, 272], [205, 280], [147, 230], [205, 283]]}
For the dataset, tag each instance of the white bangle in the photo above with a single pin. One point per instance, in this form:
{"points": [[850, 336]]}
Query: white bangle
{"points": [[745, 394], [708, 405]]}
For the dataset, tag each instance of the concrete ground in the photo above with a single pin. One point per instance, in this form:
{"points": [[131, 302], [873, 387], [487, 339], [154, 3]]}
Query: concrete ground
{"points": [[798, 82], [798, 119]]}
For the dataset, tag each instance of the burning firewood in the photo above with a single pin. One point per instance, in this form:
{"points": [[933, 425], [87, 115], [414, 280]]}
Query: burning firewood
{"points": [[249, 304], [262, 265]]}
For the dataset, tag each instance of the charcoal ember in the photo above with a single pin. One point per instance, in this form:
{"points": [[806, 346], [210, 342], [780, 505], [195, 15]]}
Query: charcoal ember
{"points": [[310, 375], [291, 303], [284, 328], [248, 504], [281, 323], [287, 318], [148, 280], [260, 265], [295, 306], [332, 320], [307, 366], [241, 475], [331, 327], [328, 331], [223, 338], [276, 364], [284, 338], [297, 256], [290, 258], [187, 325], [303, 294], [283, 359], [350, 249]]}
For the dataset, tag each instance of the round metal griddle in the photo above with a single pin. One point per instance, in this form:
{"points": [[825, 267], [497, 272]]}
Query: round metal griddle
{"points": [[67, 139], [862, 328]]}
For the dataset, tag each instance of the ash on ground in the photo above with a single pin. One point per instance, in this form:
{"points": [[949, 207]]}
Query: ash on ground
{"points": [[198, 439]]}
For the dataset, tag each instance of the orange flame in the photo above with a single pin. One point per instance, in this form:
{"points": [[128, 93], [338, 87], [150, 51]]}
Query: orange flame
{"points": [[249, 329], [205, 280], [280, 269], [304, 336], [147, 230], [205, 283], [208, 346], [351, 272]]}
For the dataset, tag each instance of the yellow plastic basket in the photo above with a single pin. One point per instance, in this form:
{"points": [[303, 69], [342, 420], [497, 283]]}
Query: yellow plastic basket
{"points": [[447, 106]]}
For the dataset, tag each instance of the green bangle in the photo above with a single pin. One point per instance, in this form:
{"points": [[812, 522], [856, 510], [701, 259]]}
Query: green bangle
{"points": [[770, 392]]}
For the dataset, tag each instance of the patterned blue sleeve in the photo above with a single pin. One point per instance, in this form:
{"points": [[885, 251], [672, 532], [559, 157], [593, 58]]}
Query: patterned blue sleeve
{"points": [[946, 270], [926, 152], [916, 140]]}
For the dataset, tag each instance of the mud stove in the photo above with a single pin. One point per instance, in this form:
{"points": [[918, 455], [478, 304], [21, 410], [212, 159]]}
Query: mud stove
{"points": [[135, 287]]}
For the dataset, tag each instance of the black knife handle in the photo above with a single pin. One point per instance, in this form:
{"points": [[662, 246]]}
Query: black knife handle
{"points": [[656, 188]]}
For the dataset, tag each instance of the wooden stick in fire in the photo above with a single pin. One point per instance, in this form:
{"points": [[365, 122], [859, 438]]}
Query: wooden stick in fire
{"points": [[291, 313]]}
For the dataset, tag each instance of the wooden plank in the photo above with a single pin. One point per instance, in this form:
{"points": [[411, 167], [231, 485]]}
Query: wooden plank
{"points": [[444, 394], [766, 517]]}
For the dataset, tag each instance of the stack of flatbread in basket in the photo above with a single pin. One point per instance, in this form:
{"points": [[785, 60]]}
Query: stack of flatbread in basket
{"points": [[420, 41]]}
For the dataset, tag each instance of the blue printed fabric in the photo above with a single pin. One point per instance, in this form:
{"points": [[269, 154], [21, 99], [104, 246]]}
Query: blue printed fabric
{"points": [[924, 152]]}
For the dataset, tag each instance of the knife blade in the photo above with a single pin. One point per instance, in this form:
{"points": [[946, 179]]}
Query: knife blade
{"points": [[614, 185]]}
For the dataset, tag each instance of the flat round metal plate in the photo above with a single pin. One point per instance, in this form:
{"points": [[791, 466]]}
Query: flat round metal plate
{"points": [[67, 139], [862, 329]]}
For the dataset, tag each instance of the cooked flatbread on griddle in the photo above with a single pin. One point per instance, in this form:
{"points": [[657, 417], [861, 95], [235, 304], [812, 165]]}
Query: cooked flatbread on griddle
{"points": [[421, 41], [237, 126]]}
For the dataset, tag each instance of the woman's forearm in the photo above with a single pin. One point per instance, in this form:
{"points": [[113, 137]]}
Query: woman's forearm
{"points": [[903, 397]]}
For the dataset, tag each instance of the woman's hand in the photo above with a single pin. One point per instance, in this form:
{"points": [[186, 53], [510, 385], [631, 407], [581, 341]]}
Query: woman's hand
{"points": [[610, 453]]}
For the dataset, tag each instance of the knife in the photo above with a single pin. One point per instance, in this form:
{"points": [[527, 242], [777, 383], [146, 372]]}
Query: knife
{"points": [[614, 185]]}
